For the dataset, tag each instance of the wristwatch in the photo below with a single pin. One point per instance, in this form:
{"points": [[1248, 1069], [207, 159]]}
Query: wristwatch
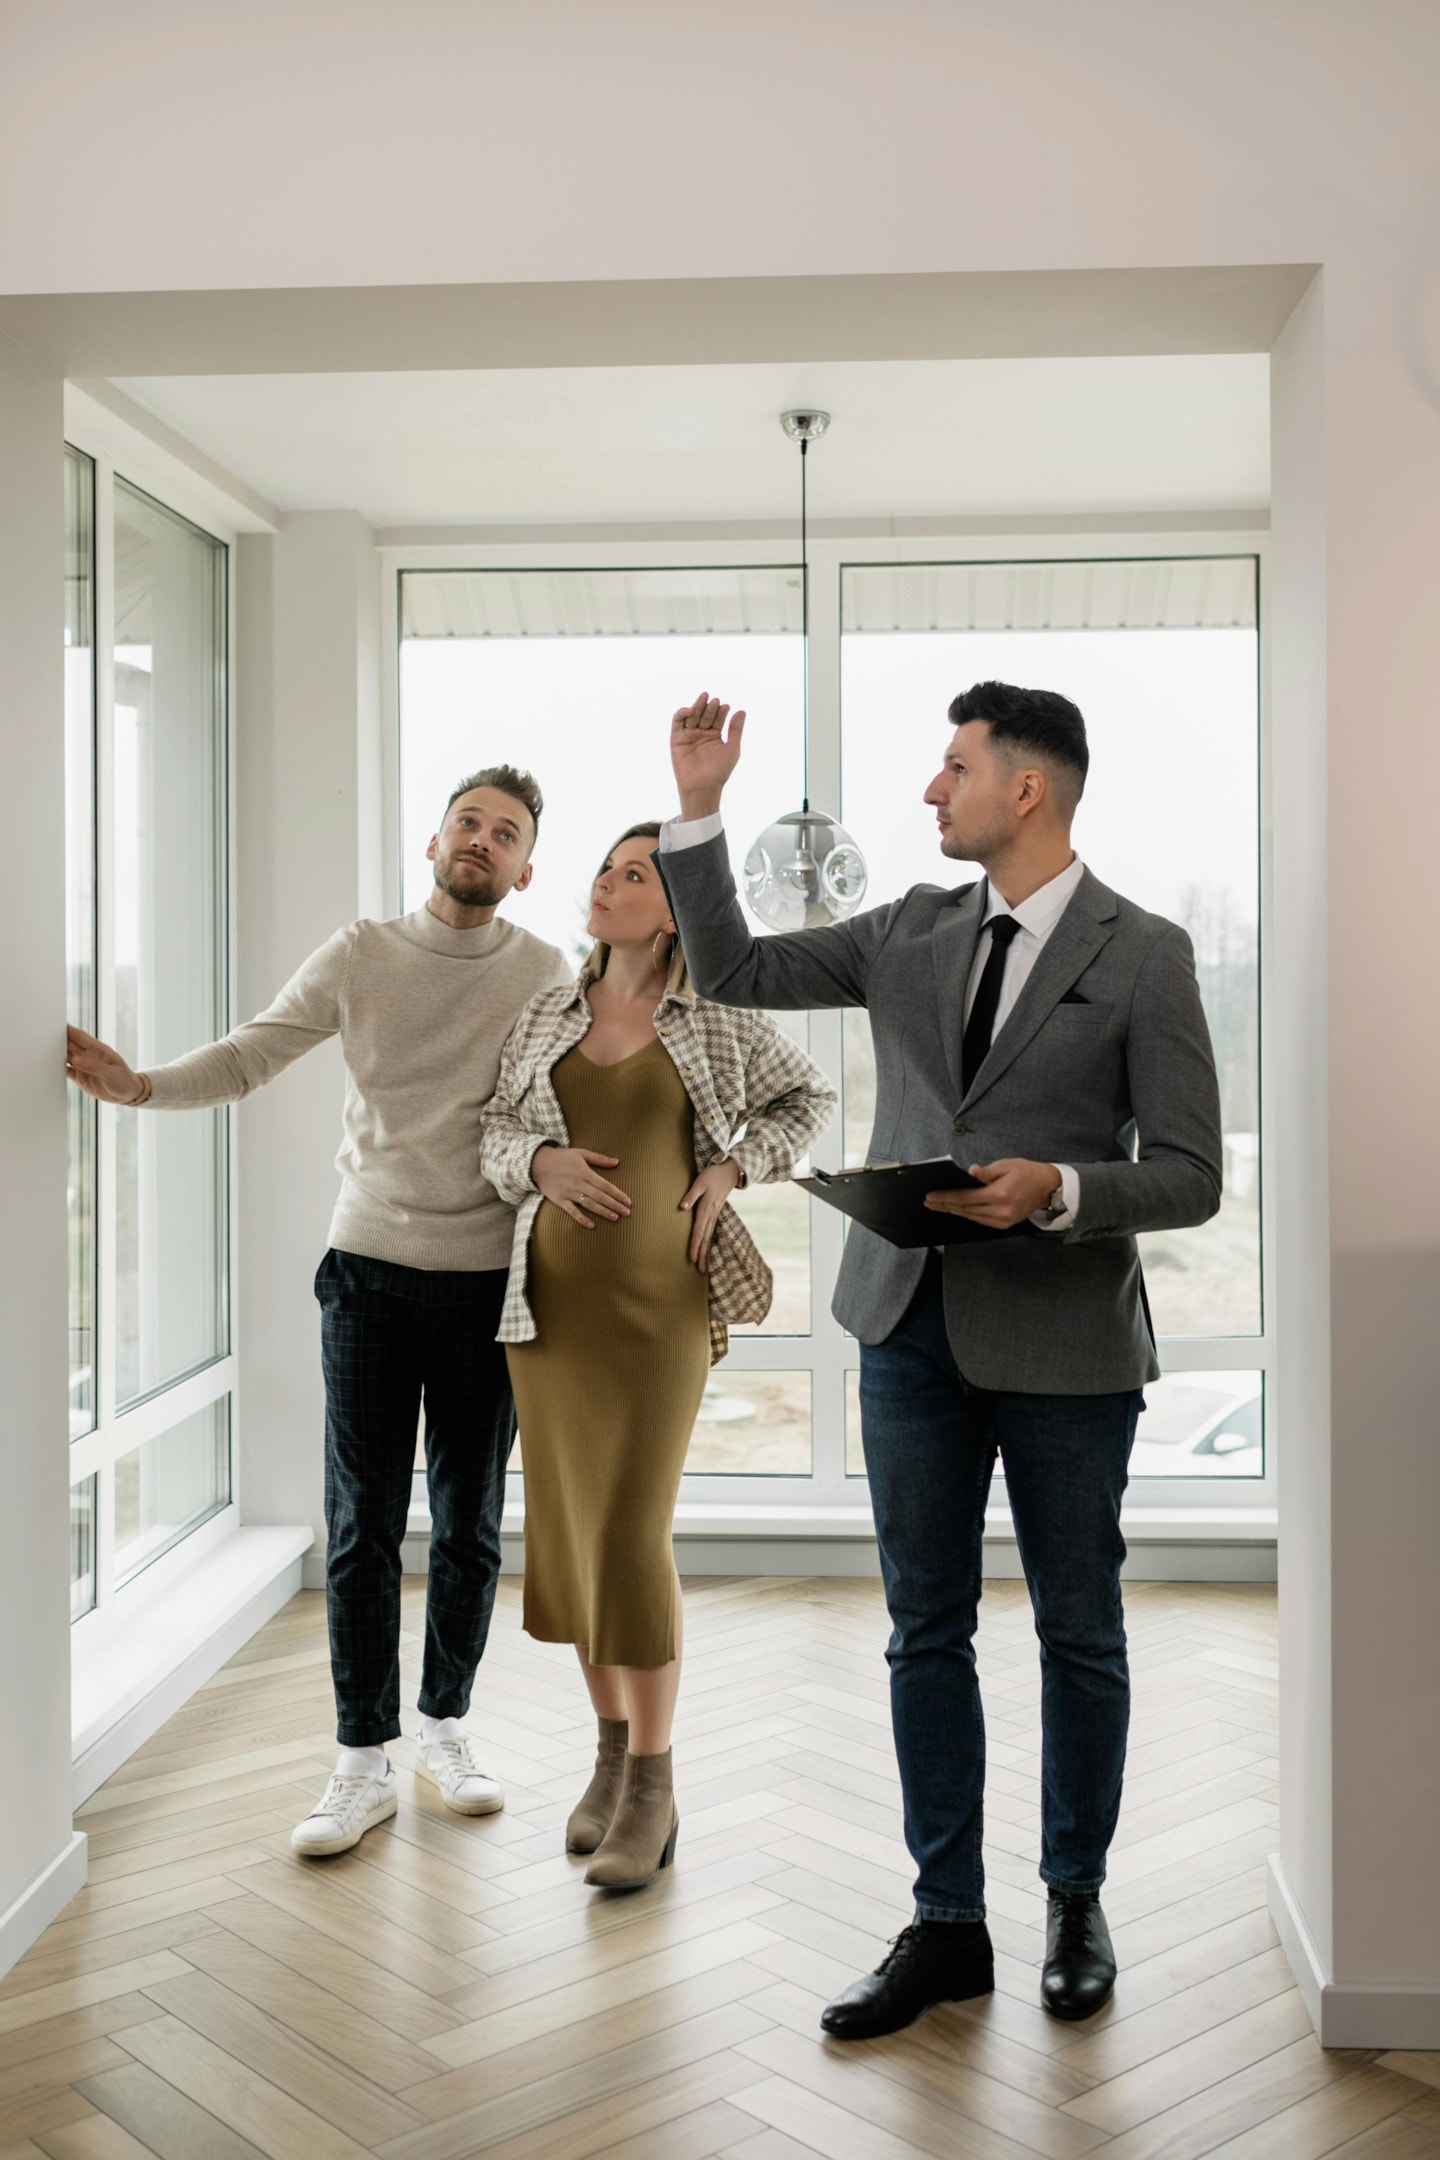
{"points": [[1055, 1205]]}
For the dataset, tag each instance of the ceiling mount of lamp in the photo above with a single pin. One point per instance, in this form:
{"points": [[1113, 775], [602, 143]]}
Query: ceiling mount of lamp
{"points": [[804, 425], [804, 870]]}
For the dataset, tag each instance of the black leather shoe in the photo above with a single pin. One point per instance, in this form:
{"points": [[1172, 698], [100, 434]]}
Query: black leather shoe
{"points": [[1079, 1975], [931, 1961]]}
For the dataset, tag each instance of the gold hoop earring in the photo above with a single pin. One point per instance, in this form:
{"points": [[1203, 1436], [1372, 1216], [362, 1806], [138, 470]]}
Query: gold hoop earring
{"points": [[662, 965]]}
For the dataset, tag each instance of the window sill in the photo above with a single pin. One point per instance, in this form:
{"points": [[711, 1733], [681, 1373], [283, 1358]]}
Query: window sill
{"points": [[696, 1519], [146, 1654]]}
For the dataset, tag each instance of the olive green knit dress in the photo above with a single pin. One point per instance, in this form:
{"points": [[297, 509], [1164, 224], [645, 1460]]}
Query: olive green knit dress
{"points": [[607, 1392]]}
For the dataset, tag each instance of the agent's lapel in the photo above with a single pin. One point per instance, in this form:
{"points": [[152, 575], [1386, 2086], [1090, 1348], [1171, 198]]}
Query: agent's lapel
{"points": [[1087, 924], [953, 942]]}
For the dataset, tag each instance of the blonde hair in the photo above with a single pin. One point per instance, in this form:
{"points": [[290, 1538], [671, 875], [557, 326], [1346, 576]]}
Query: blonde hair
{"points": [[677, 980]]}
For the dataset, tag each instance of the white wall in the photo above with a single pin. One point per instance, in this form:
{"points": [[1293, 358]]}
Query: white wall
{"points": [[1299, 1213], [305, 673], [40, 1864], [461, 142]]}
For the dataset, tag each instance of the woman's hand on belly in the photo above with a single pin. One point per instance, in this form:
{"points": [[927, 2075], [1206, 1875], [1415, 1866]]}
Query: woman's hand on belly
{"points": [[570, 1178], [705, 1199]]}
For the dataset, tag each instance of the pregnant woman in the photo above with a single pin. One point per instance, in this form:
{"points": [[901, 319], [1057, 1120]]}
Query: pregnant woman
{"points": [[628, 1110]]}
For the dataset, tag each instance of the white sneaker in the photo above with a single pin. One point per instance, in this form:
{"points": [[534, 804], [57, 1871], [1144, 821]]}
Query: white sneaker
{"points": [[462, 1784], [351, 1806]]}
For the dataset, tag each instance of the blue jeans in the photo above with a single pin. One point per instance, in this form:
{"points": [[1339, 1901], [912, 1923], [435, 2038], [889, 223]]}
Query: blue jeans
{"points": [[930, 1446]]}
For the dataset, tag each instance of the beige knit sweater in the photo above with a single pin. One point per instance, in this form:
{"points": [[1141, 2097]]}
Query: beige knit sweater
{"points": [[422, 1012]]}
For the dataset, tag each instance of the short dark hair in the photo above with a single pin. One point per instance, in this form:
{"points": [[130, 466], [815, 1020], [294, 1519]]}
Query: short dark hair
{"points": [[1040, 721], [506, 780]]}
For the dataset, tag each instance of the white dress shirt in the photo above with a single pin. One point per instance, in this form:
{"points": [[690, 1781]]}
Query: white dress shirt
{"points": [[1037, 918]]}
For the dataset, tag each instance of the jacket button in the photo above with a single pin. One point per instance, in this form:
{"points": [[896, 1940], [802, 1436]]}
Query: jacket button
{"points": [[959, 1125]]}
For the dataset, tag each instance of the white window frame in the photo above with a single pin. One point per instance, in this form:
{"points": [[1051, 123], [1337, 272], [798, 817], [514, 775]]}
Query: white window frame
{"points": [[116, 452], [828, 1498]]}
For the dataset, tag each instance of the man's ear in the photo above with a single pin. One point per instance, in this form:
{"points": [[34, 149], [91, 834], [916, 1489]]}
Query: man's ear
{"points": [[434, 848], [1034, 788], [524, 878]]}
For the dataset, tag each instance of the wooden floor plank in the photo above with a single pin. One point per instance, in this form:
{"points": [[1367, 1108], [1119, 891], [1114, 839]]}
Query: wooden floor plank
{"points": [[163, 2120], [362, 2042], [334, 2091], [213, 2078]]}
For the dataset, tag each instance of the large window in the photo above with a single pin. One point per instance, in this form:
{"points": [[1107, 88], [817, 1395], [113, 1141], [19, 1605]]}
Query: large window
{"points": [[1162, 658], [574, 672], [566, 673], [145, 732]]}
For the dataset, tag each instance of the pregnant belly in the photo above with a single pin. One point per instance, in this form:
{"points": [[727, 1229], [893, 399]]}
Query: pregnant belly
{"points": [[646, 1252]]}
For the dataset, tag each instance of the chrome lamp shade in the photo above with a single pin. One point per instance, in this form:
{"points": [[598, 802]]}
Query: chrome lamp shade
{"points": [[804, 871]]}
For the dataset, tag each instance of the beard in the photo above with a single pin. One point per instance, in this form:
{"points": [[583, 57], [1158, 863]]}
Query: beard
{"points": [[977, 844], [468, 883]]}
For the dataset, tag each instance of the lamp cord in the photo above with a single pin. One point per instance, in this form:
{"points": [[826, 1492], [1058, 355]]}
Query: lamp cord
{"points": [[804, 636]]}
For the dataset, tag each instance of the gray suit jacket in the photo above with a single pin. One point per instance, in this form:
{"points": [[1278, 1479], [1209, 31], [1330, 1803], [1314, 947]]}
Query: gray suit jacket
{"points": [[1105, 1062]]}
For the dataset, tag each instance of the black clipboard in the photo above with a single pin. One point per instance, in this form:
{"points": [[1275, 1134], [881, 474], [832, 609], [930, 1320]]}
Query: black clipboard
{"points": [[889, 1198]]}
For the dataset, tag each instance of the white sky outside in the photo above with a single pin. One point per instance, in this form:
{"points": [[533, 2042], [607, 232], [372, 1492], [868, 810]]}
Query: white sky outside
{"points": [[1171, 800], [591, 718], [1171, 715]]}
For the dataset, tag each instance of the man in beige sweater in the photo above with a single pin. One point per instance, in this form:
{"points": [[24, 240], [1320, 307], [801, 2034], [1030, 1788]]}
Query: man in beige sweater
{"points": [[412, 1287]]}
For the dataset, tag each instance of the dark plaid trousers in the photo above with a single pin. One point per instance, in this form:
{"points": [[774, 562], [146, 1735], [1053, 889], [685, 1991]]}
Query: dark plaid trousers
{"points": [[389, 1336]]}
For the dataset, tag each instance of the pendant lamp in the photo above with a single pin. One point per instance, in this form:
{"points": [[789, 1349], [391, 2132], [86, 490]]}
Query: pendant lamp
{"points": [[804, 870]]}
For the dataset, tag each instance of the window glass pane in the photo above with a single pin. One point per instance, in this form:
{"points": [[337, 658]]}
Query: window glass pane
{"points": [[80, 918], [854, 1447], [169, 1486], [752, 1424], [171, 1293], [778, 1218], [574, 674], [1194, 1425], [1162, 660], [82, 1548], [859, 1091], [1202, 1425]]}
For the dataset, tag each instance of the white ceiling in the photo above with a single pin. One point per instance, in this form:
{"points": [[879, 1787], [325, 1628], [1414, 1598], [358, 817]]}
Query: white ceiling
{"points": [[918, 438]]}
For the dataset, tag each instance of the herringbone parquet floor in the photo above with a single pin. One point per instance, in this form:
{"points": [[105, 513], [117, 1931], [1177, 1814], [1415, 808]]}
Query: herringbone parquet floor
{"points": [[452, 1989]]}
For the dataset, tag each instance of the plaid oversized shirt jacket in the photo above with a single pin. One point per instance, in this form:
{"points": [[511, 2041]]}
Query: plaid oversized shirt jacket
{"points": [[757, 1099]]}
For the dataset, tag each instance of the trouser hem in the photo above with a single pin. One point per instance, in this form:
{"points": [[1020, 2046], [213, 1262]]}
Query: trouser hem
{"points": [[1089, 1888], [968, 1914], [437, 1707], [367, 1735]]}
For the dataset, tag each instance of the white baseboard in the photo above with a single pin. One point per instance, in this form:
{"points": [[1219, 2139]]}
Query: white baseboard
{"points": [[151, 1659], [43, 1900], [1151, 1560], [1346, 2015]]}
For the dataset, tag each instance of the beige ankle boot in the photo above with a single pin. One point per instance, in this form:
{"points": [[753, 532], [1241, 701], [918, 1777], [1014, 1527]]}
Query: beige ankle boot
{"points": [[641, 1837], [591, 1819]]}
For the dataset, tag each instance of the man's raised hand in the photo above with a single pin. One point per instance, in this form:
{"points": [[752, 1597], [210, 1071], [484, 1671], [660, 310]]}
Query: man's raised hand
{"points": [[704, 753]]}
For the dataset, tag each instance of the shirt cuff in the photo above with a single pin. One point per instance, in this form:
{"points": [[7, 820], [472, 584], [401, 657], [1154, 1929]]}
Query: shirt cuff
{"points": [[677, 833], [1070, 1199]]}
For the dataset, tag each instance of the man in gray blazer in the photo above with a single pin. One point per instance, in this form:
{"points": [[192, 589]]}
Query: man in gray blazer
{"points": [[1049, 1035]]}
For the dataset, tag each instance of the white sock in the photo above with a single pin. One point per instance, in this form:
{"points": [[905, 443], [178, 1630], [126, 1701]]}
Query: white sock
{"points": [[363, 1762], [439, 1728]]}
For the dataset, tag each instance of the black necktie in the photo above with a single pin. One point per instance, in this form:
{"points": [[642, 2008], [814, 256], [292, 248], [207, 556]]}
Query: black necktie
{"points": [[981, 1025]]}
